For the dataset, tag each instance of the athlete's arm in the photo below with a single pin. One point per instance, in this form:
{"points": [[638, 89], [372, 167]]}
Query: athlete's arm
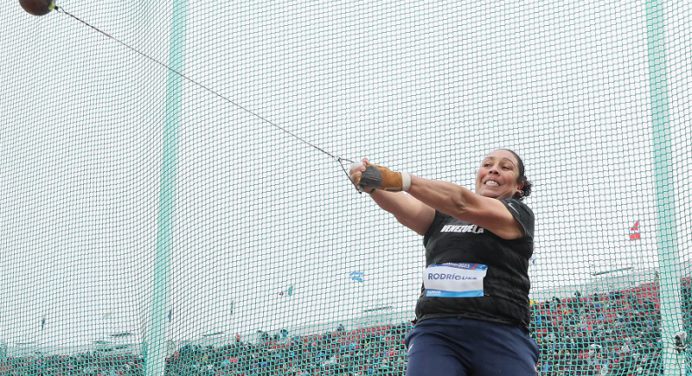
{"points": [[408, 210], [461, 203]]}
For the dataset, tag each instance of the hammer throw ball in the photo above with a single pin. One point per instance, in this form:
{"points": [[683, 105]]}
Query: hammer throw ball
{"points": [[37, 7]]}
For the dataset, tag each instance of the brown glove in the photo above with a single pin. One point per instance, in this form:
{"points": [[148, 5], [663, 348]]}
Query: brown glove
{"points": [[380, 177]]}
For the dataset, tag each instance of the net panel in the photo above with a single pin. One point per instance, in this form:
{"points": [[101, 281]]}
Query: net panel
{"points": [[202, 225]]}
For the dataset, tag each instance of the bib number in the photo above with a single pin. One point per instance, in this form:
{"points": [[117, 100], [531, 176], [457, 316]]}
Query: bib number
{"points": [[454, 280]]}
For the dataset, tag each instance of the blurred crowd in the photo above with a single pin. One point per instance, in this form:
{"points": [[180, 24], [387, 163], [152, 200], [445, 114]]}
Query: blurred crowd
{"points": [[616, 333]]}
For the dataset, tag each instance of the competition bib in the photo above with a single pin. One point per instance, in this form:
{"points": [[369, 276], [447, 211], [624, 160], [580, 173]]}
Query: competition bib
{"points": [[454, 280]]}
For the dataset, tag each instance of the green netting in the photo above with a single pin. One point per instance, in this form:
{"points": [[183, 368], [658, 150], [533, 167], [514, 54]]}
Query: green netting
{"points": [[158, 224]]}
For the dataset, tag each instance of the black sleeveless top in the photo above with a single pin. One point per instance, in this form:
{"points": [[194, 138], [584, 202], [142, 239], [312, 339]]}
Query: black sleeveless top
{"points": [[454, 245]]}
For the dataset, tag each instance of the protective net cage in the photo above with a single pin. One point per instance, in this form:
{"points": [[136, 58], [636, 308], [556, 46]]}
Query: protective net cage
{"points": [[173, 201]]}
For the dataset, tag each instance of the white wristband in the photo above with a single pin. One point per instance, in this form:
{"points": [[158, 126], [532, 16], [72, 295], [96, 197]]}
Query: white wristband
{"points": [[405, 181]]}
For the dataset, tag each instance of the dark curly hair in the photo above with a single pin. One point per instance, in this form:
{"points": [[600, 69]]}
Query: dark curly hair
{"points": [[522, 179]]}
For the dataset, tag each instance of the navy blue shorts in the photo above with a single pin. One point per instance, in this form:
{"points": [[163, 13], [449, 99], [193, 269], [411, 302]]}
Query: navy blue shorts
{"points": [[465, 347]]}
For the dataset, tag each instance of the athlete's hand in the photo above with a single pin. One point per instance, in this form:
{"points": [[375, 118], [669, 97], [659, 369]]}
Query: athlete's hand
{"points": [[368, 177], [356, 173]]}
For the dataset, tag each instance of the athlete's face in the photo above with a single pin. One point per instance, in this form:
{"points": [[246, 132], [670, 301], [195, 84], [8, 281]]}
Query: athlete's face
{"points": [[498, 175]]}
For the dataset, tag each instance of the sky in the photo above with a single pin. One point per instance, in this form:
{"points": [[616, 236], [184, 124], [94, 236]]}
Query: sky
{"points": [[260, 204]]}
